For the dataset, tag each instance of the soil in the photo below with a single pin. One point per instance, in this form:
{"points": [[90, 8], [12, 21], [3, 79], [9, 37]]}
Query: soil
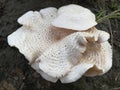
{"points": [[16, 74]]}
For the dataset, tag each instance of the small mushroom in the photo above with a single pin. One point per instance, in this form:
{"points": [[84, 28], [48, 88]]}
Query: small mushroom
{"points": [[36, 34], [78, 54], [74, 17]]}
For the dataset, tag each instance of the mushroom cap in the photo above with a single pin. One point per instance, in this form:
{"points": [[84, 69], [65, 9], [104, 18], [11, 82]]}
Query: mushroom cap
{"points": [[73, 8], [36, 34], [74, 22], [91, 65], [96, 60], [60, 57], [78, 54], [74, 17]]}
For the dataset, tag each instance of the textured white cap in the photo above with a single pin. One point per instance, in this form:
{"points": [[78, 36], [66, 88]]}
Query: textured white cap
{"points": [[78, 54], [74, 17]]}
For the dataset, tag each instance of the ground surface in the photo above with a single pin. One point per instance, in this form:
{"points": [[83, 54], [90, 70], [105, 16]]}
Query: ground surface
{"points": [[16, 74]]}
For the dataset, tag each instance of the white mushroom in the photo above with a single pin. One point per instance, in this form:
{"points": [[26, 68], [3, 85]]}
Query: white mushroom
{"points": [[74, 17], [78, 54], [36, 34], [61, 52]]}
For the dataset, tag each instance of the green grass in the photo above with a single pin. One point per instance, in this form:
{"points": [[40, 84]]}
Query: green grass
{"points": [[101, 16]]}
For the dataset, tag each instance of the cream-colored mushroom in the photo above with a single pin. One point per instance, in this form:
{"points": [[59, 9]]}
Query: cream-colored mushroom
{"points": [[78, 54], [74, 17], [36, 34], [61, 52]]}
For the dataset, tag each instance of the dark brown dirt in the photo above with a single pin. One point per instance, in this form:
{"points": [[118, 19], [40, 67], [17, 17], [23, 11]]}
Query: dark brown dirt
{"points": [[16, 74]]}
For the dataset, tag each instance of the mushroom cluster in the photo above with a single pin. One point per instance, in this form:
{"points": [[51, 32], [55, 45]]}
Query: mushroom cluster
{"points": [[63, 44]]}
